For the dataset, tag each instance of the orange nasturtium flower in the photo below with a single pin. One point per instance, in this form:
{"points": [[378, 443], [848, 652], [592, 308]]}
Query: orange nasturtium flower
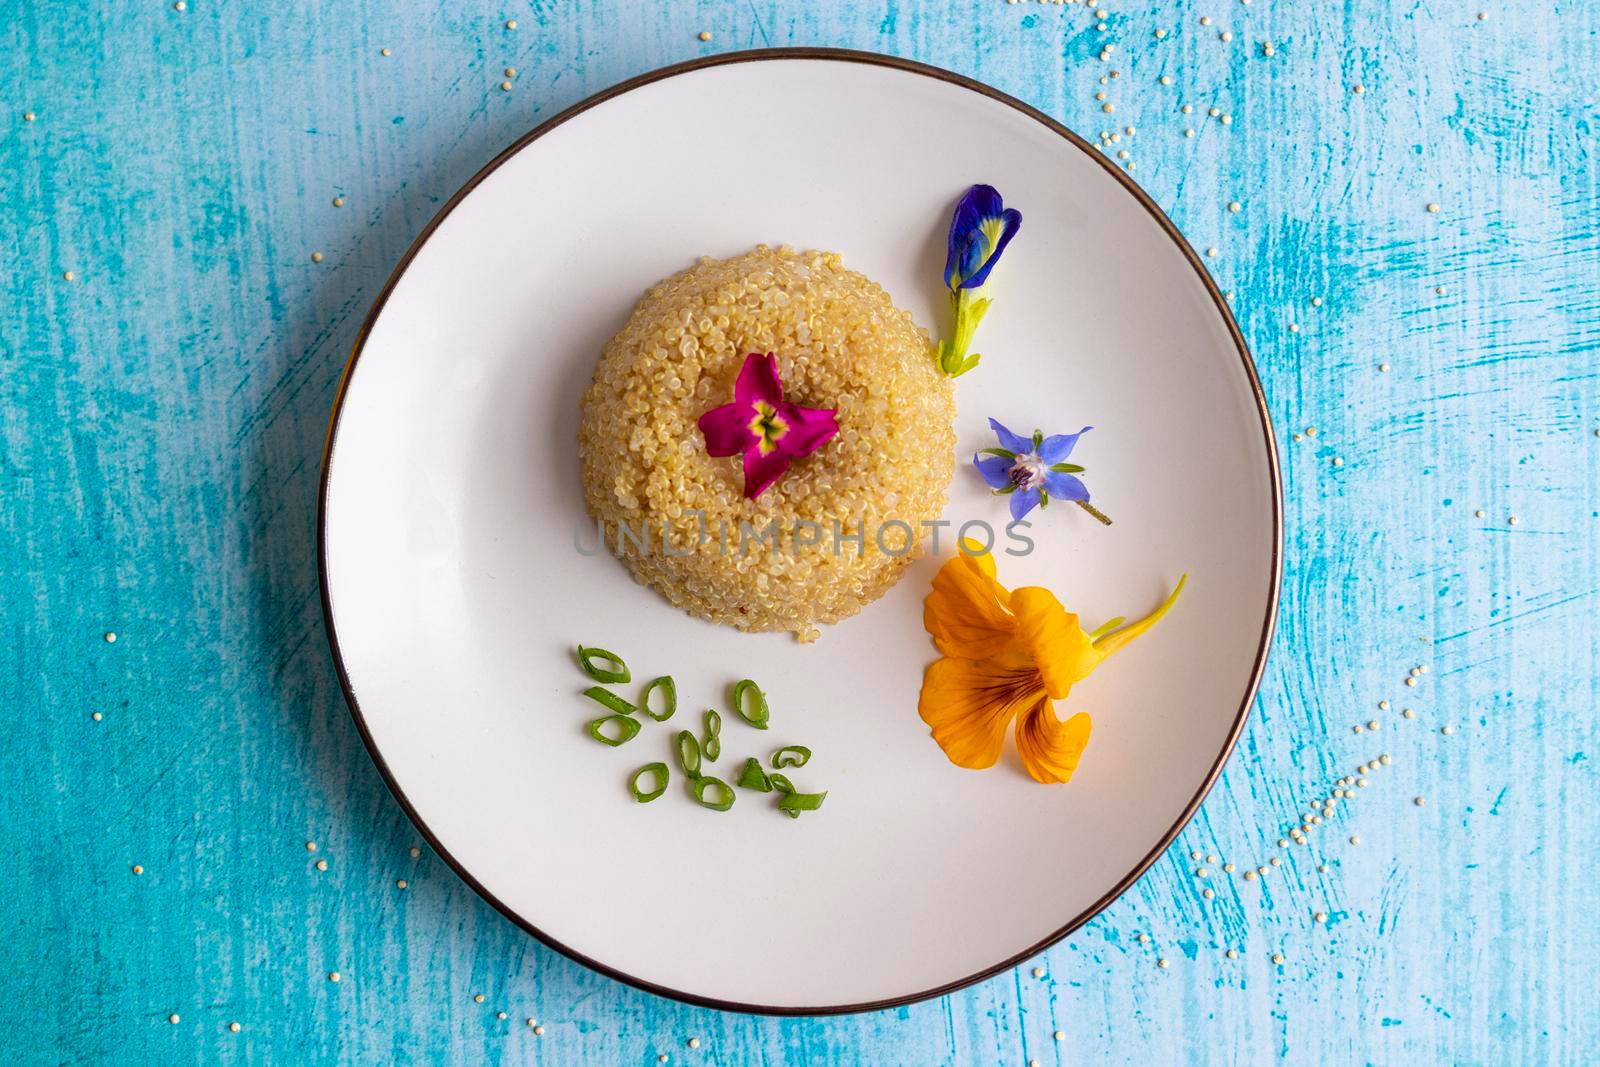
{"points": [[1008, 655]]}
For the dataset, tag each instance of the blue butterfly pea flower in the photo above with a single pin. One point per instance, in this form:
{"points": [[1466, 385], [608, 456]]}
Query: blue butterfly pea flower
{"points": [[979, 232]]}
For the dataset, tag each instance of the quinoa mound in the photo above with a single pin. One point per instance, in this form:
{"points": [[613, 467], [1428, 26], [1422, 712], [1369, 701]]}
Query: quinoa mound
{"points": [[844, 523]]}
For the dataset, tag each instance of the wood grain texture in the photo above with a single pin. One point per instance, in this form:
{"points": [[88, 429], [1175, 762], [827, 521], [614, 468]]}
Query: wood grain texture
{"points": [[161, 418]]}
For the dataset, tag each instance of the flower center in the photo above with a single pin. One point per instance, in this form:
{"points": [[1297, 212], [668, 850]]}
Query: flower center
{"points": [[1027, 471], [768, 426]]}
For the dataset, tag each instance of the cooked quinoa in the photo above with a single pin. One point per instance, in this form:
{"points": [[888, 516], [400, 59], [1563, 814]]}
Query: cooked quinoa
{"points": [[840, 343]]}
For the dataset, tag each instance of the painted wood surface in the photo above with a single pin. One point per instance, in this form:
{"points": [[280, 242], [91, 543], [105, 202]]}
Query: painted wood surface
{"points": [[162, 413]]}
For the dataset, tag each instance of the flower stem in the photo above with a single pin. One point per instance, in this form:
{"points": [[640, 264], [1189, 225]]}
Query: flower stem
{"points": [[1100, 516]]}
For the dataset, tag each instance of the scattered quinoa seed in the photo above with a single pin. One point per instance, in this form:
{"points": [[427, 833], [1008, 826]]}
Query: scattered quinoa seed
{"points": [[1320, 917], [1038, 972], [137, 869], [111, 638], [174, 1019], [511, 24], [234, 1027], [1163, 963], [1433, 209], [705, 35], [1420, 801], [333, 976], [316, 257], [477, 998], [694, 1042]]}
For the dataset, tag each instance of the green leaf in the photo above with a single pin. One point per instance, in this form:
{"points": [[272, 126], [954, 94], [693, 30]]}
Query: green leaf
{"points": [[1003, 453], [1067, 468]]}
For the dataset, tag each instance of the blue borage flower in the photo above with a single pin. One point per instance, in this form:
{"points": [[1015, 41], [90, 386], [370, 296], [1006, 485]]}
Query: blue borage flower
{"points": [[979, 231], [1034, 471]]}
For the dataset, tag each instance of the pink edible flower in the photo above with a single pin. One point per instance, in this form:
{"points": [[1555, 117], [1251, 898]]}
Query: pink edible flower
{"points": [[759, 424]]}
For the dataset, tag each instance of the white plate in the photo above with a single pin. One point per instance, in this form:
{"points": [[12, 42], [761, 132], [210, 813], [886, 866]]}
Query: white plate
{"points": [[454, 594]]}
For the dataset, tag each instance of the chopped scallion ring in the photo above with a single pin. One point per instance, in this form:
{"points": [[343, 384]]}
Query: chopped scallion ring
{"points": [[699, 786], [627, 728], [757, 713], [617, 673], [688, 754], [781, 783], [609, 700], [791, 756], [667, 686], [792, 804], [712, 745], [662, 777], [753, 777]]}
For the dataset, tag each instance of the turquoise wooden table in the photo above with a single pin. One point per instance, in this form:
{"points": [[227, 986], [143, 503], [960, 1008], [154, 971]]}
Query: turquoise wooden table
{"points": [[201, 199]]}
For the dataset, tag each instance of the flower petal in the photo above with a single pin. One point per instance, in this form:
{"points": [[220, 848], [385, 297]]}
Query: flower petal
{"points": [[997, 230], [1113, 641], [1050, 749], [1054, 640], [1058, 446], [965, 250], [758, 380], [1063, 486], [727, 430], [809, 429], [1010, 441], [969, 703], [761, 471], [996, 470], [1022, 502], [966, 610]]}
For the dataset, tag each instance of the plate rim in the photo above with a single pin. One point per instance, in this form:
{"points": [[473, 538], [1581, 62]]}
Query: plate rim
{"points": [[1269, 440]]}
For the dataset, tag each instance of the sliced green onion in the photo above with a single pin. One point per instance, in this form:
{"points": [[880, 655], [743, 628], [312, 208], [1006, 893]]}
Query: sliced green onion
{"points": [[791, 756], [617, 673], [712, 746], [609, 700], [781, 783], [627, 727], [688, 754], [667, 686], [758, 713], [792, 804], [699, 786], [753, 777], [662, 777]]}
